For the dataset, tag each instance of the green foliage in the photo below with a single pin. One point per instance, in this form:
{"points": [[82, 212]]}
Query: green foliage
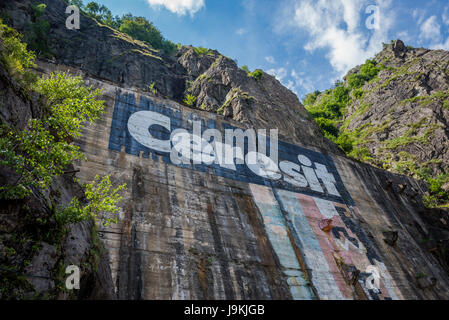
{"points": [[152, 88], [245, 68], [356, 80], [362, 154], [328, 108], [311, 98], [102, 200], [256, 74], [43, 149], [439, 96], [328, 126], [368, 71], [15, 57], [35, 155], [200, 51], [138, 28], [438, 196], [346, 142], [36, 34], [141, 29], [330, 105], [446, 104], [357, 93], [70, 102], [190, 100]]}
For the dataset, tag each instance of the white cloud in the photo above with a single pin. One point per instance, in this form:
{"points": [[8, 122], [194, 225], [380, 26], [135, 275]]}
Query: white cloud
{"points": [[241, 31], [445, 16], [270, 59], [431, 30], [338, 26], [279, 73], [404, 36], [306, 84], [180, 7], [444, 46], [418, 15]]}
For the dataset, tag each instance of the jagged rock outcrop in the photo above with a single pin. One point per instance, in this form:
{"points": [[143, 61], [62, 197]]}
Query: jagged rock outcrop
{"points": [[323, 227], [405, 110], [222, 87], [218, 82]]}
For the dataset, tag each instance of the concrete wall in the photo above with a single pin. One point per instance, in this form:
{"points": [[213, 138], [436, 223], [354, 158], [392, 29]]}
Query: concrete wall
{"points": [[209, 232]]}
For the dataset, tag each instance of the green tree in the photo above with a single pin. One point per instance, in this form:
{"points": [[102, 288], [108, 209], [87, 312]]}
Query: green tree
{"points": [[256, 74], [43, 149], [37, 31], [141, 29], [14, 55]]}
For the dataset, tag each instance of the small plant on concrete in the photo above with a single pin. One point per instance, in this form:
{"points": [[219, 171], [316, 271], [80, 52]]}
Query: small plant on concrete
{"points": [[190, 100]]}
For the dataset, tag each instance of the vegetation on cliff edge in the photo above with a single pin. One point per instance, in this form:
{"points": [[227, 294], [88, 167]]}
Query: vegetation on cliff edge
{"points": [[330, 108], [39, 153]]}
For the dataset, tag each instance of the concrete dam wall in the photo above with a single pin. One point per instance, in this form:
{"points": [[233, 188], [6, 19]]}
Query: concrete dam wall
{"points": [[320, 226]]}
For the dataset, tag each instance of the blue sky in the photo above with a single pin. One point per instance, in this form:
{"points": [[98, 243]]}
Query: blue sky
{"points": [[306, 44]]}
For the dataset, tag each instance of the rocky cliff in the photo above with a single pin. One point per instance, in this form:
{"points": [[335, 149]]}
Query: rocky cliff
{"points": [[34, 248], [215, 80], [397, 117], [412, 95], [317, 226]]}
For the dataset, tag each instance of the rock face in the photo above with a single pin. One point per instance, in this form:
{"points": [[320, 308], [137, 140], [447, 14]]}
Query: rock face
{"points": [[316, 225], [205, 232], [407, 111], [218, 83]]}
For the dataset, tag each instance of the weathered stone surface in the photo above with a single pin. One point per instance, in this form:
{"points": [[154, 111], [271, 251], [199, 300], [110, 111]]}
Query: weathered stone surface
{"points": [[204, 232], [408, 101], [40, 269], [187, 234]]}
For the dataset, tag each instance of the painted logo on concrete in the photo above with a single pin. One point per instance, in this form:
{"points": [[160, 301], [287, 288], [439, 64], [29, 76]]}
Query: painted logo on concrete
{"points": [[184, 139], [308, 214]]}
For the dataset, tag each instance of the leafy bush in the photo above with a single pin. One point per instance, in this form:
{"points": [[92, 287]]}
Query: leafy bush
{"points": [[346, 142], [141, 29], [102, 202], [256, 74], [368, 71], [43, 150], [356, 80], [71, 103], [200, 51], [15, 57], [245, 68], [37, 32], [35, 155], [357, 93], [311, 98], [328, 126]]}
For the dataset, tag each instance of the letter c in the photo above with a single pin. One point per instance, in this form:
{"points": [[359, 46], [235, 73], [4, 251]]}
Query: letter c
{"points": [[139, 125]]}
